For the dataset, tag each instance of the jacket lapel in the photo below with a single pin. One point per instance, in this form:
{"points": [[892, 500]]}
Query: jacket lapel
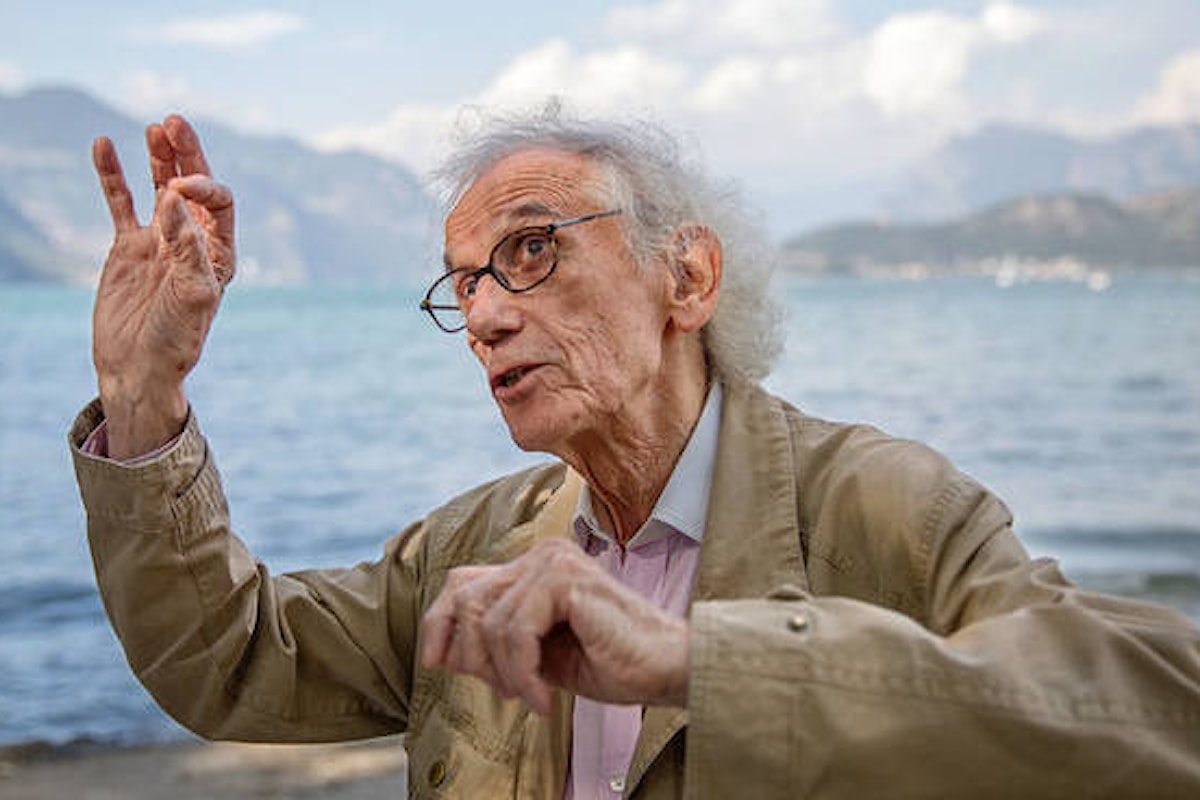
{"points": [[752, 535], [552, 521]]}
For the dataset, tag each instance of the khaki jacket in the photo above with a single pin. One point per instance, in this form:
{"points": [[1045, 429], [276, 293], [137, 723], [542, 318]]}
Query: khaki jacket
{"points": [[864, 624]]}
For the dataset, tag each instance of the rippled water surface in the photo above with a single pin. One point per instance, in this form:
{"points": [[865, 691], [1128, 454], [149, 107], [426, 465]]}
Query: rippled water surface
{"points": [[338, 416]]}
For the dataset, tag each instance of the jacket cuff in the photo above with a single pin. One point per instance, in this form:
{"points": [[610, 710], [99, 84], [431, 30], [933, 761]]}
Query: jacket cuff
{"points": [[138, 494]]}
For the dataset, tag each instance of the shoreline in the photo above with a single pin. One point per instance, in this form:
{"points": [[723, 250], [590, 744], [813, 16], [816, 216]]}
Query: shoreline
{"points": [[195, 770]]}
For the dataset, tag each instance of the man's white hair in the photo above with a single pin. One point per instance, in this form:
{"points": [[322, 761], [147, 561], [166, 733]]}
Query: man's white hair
{"points": [[658, 191]]}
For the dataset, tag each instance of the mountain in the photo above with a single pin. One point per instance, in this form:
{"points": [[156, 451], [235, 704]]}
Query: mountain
{"points": [[22, 246], [303, 216], [1002, 162], [1154, 230]]}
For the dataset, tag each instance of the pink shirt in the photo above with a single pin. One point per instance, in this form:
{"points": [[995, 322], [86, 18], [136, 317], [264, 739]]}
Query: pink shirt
{"points": [[659, 563]]}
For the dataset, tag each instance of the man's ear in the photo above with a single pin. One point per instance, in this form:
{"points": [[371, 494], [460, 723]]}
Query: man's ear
{"points": [[694, 261]]}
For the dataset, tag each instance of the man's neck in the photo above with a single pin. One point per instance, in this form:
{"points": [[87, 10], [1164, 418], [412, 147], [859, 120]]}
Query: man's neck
{"points": [[627, 470]]}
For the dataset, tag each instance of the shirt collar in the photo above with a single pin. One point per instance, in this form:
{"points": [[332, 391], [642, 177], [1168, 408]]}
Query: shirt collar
{"points": [[683, 505]]}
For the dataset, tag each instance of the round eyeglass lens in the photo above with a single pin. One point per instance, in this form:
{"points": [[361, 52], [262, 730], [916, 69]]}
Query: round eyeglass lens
{"points": [[444, 302], [524, 257]]}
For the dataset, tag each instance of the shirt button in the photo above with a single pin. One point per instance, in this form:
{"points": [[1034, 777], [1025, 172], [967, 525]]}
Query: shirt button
{"points": [[617, 783], [797, 623], [437, 773]]}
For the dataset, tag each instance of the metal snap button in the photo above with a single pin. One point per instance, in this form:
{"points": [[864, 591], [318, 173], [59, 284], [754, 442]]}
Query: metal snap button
{"points": [[797, 623]]}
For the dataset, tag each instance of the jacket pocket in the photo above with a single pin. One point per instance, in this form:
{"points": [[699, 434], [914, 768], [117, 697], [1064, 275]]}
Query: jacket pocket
{"points": [[467, 744]]}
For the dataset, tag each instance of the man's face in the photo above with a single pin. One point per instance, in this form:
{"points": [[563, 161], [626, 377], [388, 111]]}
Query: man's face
{"points": [[570, 360]]}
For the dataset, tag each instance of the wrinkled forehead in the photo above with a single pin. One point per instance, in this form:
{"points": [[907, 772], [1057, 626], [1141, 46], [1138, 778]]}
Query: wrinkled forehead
{"points": [[529, 187]]}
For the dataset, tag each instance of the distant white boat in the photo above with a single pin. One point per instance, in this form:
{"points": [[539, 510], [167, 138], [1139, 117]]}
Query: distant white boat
{"points": [[1098, 280]]}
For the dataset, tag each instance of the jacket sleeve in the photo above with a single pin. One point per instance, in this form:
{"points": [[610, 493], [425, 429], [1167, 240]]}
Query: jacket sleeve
{"points": [[228, 650], [1008, 682]]}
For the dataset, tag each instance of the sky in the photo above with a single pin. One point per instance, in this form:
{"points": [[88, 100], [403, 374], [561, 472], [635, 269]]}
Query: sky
{"points": [[795, 100]]}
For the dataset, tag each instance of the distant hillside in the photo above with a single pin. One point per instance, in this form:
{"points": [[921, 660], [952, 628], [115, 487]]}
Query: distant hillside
{"points": [[1156, 230], [303, 216], [1001, 162], [22, 247]]}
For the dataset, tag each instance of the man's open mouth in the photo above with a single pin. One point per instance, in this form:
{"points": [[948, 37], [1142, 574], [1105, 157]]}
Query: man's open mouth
{"points": [[512, 376]]}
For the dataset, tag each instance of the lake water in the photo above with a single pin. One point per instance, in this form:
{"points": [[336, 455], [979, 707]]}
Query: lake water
{"points": [[339, 416]]}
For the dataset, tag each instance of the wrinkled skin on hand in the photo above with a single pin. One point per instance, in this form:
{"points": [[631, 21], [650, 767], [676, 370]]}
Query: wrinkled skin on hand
{"points": [[160, 287], [554, 617]]}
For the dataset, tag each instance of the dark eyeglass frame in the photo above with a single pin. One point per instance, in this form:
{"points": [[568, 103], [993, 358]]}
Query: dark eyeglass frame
{"points": [[476, 273]]}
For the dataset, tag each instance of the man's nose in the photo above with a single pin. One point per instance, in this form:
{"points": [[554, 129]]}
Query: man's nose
{"points": [[493, 311]]}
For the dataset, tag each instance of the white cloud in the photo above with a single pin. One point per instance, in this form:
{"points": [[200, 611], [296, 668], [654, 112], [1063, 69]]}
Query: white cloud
{"points": [[605, 81], [917, 62], [782, 93], [731, 84], [601, 81], [231, 31], [667, 18], [1176, 98], [415, 135], [1009, 23], [148, 93], [776, 23], [823, 81], [717, 24], [12, 79]]}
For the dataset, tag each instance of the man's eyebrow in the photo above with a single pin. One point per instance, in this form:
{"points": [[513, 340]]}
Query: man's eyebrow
{"points": [[530, 209]]}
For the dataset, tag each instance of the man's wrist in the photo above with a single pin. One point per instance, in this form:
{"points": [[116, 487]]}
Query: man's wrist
{"points": [[96, 444], [140, 425]]}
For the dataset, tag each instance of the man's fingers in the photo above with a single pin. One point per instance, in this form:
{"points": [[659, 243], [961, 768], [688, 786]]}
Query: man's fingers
{"points": [[553, 617], [454, 631], [489, 622], [186, 144], [468, 650], [212, 203], [514, 627], [215, 198], [439, 622], [181, 235], [437, 628], [112, 182], [163, 166]]}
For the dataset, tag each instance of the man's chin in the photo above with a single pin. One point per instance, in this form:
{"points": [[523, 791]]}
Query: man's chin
{"points": [[532, 436], [530, 443]]}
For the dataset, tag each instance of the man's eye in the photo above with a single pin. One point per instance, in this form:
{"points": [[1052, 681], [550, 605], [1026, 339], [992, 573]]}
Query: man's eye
{"points": [[466, 286], [532, 247]]}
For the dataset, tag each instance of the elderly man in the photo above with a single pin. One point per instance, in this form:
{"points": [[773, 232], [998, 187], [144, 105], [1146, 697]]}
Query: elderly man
{"points": [[710, 594]]}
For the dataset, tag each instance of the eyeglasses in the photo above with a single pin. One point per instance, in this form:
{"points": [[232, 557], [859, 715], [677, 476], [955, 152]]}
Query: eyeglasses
{"points": [[519, 262]]}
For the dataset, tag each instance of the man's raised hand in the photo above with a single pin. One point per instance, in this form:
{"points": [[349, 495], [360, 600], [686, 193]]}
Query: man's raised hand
{"points": [[160, 287]]}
